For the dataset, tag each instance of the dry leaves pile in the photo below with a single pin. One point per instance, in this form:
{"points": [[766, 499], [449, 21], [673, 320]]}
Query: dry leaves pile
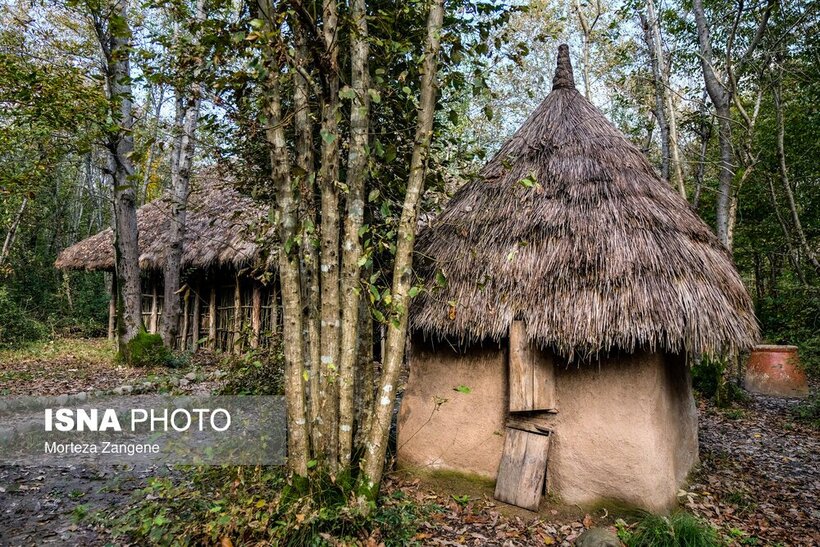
{"points": [[760, 474]]}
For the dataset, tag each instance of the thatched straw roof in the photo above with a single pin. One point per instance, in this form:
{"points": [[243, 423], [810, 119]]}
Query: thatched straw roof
{"points": [[570, 229], [222, 230]]}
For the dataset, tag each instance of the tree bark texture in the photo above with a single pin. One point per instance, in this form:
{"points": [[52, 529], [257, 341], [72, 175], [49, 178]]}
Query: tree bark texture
{"points": [[376, 444], [354, 219], [188, 107]]}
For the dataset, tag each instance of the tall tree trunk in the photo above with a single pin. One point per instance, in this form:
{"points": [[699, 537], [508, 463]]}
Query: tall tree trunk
{"points": [[12, 233], [658, 83], [674, 171], [721, 100], [352, 247], [784, 179], [149, 161], [329, 253], [114, 35], [376, 445], [286, 213], [183, 154], [309, 262], [787, 236]]}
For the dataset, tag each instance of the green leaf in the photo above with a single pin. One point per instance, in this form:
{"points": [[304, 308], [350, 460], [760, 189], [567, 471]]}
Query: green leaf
{"points": [[462, 389], [312, 463], [374, 95], [441, 279], [414, 291], [347, 93], [390, 153], [488, 111], [257, 23], [327, 137]]}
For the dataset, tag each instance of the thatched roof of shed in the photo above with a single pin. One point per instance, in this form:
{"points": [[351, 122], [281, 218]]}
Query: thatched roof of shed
{"points": [[222, 230], [570, 229]]}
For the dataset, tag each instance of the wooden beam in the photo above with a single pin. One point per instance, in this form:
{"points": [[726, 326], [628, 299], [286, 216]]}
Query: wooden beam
{"points": [[256, 314], [112, 316], [237, 316], [532, 375], [212, 319], [154, 308], [183, 341], [195, 321]]}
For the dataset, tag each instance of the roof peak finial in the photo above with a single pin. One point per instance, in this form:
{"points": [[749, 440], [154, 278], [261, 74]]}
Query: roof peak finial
{"points": [[563, 72]]}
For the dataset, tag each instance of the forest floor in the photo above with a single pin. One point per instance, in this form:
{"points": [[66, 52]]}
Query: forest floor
{"points": [[758, 482]]}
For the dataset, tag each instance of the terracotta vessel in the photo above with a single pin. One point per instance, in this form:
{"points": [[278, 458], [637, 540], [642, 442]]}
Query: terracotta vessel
{"points": [[775, 370]]}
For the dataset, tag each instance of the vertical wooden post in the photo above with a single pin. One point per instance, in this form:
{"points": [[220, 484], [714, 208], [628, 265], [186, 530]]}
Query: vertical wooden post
{"points": [[237, 317], [212, 318], [183, 341], [112, 316], [274, 309], [256, 314], [195, 321], [154, 308]]}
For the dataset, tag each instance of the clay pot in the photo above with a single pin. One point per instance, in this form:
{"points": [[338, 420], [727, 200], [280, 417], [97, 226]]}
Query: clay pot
{"points": [[775, 370]]}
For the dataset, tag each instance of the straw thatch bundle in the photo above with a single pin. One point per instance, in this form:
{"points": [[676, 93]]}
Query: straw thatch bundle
{"points": [[222, 230], [570, 229]]}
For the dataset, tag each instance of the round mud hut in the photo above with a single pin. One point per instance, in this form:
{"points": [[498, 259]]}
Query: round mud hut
{"points": [[567, 290]]}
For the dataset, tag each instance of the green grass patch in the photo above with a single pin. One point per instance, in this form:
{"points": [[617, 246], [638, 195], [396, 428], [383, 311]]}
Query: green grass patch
{"points": [[677, 530], [94, 350]]}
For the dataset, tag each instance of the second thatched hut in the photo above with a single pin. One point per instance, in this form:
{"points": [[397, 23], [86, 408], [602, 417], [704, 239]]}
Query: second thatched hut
{"points": [[226, 304], [566, 292]]}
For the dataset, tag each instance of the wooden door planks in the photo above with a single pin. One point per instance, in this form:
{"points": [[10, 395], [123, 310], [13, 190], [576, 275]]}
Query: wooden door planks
{"points": [[532, 377], [523, 469]]}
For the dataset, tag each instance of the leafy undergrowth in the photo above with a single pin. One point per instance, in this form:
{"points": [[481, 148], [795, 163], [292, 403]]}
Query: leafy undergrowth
{"points": [[75, 365], [808, 411], [258, 506]]}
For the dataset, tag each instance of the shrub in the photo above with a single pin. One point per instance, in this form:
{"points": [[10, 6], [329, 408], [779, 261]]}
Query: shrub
{"points": [[808, 411], [145, 350], [711, 379], [258, 372], [678, 530], [18, 325]]}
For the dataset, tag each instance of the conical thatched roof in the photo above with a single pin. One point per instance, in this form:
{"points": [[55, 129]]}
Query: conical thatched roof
{"points": [[570, 229], [222, 231]]}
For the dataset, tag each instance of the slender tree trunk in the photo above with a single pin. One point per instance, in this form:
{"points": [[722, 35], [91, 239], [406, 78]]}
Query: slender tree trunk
{"points": [[329, 253], [115, 43], [721, 100], [657, 79], [352, 247], [786, 235], [705, 135], [12, 233], [183, 154], [286, 213], [784, 179], [373, 463], [586, 31], [309, 262], [149, 161], [663, 93]]}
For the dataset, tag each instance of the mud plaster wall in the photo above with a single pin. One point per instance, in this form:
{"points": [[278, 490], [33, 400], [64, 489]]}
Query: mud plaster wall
{"points": [[443, 429], [626, 428]]}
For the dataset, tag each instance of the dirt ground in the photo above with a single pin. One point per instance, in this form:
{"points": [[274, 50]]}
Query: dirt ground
{"points": [[758, 482]]}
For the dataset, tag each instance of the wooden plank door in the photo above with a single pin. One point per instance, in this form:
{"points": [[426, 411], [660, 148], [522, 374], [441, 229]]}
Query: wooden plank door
{"points": [[523, 469], [532, 376]]}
